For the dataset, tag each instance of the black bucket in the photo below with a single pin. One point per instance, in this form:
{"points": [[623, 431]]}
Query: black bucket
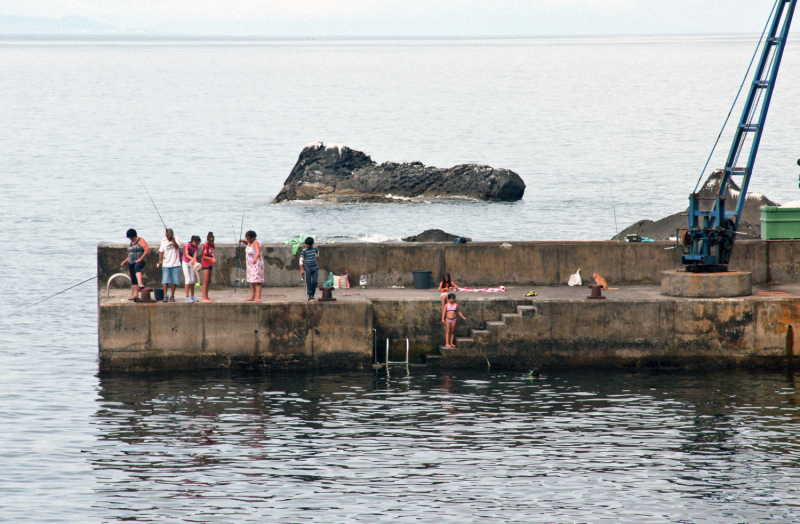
{"points": [[422, 279], [158, 294]]}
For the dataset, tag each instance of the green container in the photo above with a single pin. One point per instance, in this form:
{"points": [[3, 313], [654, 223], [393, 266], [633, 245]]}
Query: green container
{"points": [[780, 222]]}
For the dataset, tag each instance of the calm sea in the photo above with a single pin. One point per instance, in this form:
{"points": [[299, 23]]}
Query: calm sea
{"points": [[210, 125]]}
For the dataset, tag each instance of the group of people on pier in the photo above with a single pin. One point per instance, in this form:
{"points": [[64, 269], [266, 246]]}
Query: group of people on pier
{"points": [[192, 259]]}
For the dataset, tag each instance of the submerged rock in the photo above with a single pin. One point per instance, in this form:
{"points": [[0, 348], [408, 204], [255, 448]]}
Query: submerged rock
{"points": [[336, 173], [749, 224], [434, 235]]}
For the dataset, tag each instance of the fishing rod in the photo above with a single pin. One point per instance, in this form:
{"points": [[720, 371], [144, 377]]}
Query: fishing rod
{"points": [[76, 285], [151, 201], [238, 245], [616, 228]]}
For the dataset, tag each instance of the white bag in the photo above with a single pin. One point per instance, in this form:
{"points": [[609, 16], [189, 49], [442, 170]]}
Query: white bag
{"points": [[575, 280]]}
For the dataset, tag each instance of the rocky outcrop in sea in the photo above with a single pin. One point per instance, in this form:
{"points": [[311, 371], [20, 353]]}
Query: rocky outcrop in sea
{"points": [[436, 235], [337, 174], [749, 223]]}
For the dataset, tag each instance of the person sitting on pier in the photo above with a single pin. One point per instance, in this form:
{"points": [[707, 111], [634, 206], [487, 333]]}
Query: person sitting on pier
{"points": [[137, 251], [255, 266], [446, 287], [170, 261], [207, 262], [309, 267], [450, 314], [188, 262]]}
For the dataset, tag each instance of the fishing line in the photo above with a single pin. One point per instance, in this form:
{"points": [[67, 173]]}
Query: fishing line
{"points": [[76, 285], [151, 201], [238, 245]]}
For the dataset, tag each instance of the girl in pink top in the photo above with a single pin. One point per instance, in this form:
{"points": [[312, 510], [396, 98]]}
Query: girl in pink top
{"points": [[255, 266], [450, 313]]}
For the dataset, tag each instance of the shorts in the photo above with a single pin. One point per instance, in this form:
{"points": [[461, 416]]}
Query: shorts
{"points": [[171, 275], [209, 268], [138, 267], [189, 275]]}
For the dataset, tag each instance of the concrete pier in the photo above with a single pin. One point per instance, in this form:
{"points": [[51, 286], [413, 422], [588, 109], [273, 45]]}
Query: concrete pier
{"points": [[636, 326]]}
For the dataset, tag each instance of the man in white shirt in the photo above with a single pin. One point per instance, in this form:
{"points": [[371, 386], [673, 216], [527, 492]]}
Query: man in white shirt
{"points": [[170, 261]]}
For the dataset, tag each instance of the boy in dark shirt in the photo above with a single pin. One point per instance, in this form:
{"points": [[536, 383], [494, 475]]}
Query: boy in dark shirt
{"points": [[309, 267]]}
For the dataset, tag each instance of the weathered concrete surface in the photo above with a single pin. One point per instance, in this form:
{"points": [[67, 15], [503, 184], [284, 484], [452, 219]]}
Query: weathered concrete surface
{"points": [[635, 327], [485, 263], [680, 283], [278, 335], [650, 331]]}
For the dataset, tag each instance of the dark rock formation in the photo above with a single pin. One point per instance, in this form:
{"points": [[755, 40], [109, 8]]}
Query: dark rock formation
{"points": [[750, 222], [341, 174], [434, 235]]}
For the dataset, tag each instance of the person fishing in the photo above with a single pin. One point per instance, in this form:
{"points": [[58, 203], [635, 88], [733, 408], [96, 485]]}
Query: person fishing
{"points": [[137, 251], [255, 266], [207, 262], [309, 267], [170, 261]]}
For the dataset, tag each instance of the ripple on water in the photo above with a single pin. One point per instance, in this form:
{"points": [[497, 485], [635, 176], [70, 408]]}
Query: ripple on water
{"points": [[451, 447]]}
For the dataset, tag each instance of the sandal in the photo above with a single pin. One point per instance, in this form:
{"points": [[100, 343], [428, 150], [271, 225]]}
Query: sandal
{"points": [[166, 299], [172, 298]]}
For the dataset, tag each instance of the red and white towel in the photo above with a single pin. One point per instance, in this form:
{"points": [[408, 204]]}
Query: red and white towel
{"points": [[483, 289]]}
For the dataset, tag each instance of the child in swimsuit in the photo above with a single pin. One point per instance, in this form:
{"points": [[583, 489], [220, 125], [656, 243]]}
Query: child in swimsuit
{"points": [[450, 314], [446, 287]]}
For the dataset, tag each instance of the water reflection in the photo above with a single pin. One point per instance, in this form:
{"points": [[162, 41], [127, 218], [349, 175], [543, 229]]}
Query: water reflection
{"points": [[452, 446]]}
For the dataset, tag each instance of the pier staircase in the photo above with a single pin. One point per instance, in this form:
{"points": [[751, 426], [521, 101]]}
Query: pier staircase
{"points": [[483, 341]]}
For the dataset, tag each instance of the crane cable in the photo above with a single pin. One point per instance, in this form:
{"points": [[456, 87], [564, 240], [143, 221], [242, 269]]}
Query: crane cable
{"points": [[747, 73]]}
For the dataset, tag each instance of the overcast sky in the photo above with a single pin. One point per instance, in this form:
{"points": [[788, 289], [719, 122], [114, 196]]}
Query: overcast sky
{"points": [[408, 17]]}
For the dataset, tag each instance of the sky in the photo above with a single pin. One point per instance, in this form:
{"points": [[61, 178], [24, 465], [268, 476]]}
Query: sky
{"points": [[393, 17]]}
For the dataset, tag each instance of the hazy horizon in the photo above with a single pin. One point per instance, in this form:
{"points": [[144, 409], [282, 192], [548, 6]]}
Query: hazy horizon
{"points": [[389, 18]]}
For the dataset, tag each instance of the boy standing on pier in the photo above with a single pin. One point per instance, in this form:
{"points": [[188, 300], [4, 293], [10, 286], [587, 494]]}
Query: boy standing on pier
{"points": [[170, 262], [309, 267]]}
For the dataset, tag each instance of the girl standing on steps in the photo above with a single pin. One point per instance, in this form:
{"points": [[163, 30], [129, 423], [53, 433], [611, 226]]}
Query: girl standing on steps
{"points": [[450, 313]]}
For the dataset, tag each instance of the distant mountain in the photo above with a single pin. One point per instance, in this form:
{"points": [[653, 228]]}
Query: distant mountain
{"points": [[70, 25]]}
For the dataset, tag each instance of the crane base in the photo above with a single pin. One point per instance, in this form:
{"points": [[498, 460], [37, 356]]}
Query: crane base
{"points": [[678, 283]]}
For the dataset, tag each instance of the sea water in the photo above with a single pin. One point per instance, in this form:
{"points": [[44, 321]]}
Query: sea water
{"points": [[213, 126]]}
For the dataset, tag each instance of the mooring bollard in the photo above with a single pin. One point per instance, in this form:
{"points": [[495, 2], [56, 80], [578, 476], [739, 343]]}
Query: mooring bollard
{"points": [[596, 292]]}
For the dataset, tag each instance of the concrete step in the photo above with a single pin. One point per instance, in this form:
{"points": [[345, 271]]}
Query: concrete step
{"points": [[494, 325], [526, 311], [480, 335], [510, 317], [461, 351], [432, 359], [464, 341]]}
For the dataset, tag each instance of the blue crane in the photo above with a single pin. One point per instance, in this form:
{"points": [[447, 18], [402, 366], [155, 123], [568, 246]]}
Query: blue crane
{"points": [[709, 239]]}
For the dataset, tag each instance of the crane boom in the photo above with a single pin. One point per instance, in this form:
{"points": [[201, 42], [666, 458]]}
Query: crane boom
{"points": [[712, 232]]}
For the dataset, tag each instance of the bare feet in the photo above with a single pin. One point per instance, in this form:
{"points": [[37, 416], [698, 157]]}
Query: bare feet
{"points": [[311, 300], [251, 299], [206, 300], [257, 300]]}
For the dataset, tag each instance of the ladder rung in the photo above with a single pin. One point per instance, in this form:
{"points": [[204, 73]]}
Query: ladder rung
{"points": [[748, 127], [761, 83], [738, 171], [773, 40]]}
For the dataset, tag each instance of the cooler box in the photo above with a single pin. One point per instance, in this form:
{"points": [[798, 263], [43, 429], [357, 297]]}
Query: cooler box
{"points": [[780, 222]]}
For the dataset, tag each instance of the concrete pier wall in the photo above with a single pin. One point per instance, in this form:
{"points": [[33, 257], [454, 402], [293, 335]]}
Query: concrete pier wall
{"points": [[137, 337], [708, 333], [485, 263]]}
